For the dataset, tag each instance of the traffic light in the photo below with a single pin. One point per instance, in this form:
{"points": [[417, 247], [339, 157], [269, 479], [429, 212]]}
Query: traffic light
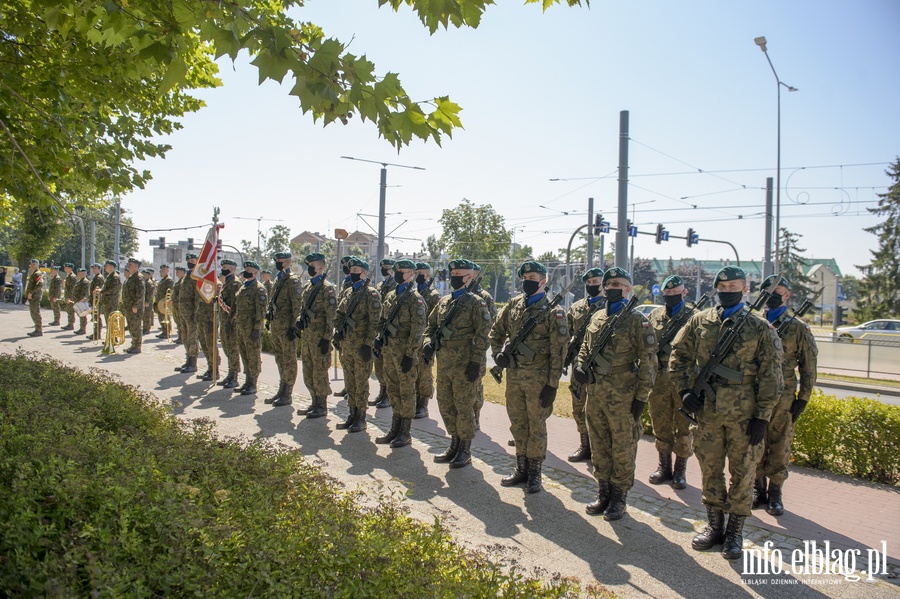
{"points": [[218, 245], [661, 234], [190, 243], [840, 318], [692, 237], [160, 243]]}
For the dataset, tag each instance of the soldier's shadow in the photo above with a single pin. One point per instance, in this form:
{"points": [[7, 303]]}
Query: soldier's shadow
{"points": [[189, 390], [467, 488]]}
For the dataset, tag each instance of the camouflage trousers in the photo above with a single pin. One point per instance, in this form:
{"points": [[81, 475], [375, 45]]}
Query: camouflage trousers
{"points": [[230, 346], [527, 419], [134, 324], [613, 431], [149, 311], [285, 352], [424, 378], [378, 363], [55, 305], [250, 352], [70, 314], [82, 321], [779, 435], [187, 328], [455, 394], [356, 375], [207, 339], [579, 397], [672, 431], [315, 365], [401, 386], [34, 306], [719, 436]]}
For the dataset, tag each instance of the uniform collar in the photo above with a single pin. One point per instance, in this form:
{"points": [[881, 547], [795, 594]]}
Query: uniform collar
{"points": [[773, 315], [615, 306], [315, 280], [593, 300], [402, 288], [459, 292], [533, 299], [358, 284]]}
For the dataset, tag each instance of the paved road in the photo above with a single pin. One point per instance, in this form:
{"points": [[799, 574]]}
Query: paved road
{"points": [[646, 554]]}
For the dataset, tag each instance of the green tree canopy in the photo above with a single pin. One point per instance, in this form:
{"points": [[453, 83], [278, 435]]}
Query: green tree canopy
{"points": [[880, 289], [794, 266]]}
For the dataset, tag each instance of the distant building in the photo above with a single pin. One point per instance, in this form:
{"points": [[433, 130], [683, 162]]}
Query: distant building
{"points": [[315, 240]]}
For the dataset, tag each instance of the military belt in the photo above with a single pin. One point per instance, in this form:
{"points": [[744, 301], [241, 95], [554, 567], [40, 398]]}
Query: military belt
{"points": [[629, 367], [456, 342], [748, 379]]}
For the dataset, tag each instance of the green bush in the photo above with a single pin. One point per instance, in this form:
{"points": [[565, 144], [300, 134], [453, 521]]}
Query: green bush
{"points": [[103, 493], [852, 436]]}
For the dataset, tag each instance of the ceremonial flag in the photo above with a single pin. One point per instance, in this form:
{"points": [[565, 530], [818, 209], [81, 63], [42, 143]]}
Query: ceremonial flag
{"points": [[205, 271]]}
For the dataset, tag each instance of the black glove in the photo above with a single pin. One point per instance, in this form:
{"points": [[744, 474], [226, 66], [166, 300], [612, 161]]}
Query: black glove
{"points": [[338, 337], [548, 395], [336, 344], [254, 335], [300, 324], [501, 360], [797, 408], [428, 352], [757, 430], [406, 364], [690, 402], [365, 352], [473, 369], [637, 407], [379, 343], [292, 334], [580, 375], [324, 346]]}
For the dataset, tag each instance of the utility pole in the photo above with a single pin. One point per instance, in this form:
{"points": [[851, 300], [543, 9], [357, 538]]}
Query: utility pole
{"points": [[93, 241], [590, 236], [768, 268], [622, 224], [117, 235], [258, 233]]}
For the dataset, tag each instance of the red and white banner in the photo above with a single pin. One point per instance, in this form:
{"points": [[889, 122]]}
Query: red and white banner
{"points": [[207, 263]]}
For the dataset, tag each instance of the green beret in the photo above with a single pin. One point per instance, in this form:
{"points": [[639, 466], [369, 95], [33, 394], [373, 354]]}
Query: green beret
{"points": [[423, 266], [590, 274], [730, 273], [387, 262], [162, 266], [616, 273], [228, 262], [461, 264], [145, 271], [251, 264], [354, 261], [532, 266], [672, 282], [346, 259], [134, 261], [476, 266], [314, 257], [266, 271], [774, 281], [404, 264], [181, 268], [82, 269], [191, 256], [53, 267], [68, 265], [96, 265], [282, 256], [110, 263]]}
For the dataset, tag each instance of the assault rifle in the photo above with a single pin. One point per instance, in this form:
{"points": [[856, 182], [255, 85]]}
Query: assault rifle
{"points": [[799, 312], [270, 309], [346, 323], [609, 329], [675, 324], [308, 314], [517, 345], [575, 343], [389, 328], [442, 331], [713, 368]]}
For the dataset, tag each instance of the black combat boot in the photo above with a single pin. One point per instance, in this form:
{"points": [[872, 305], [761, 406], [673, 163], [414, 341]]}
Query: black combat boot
{"points": [[447, 456], [69, 327], [318, 409], [760, 498], [385, 402], [341, 393], [583, 453], [403, 437], [617, 506], [598, 507], [228, 378], [55, 323], [776, 506], [286, 398], [733, 545], [209, 375], [359, 423], [533, 484], [278, 395], [679, 473], [712, 535], [36, 333], [249, 387], [80, 332], [391, 434], [421, 407], [187, 362], [134, 349], [351, 418], [519, 475], [232, 383], [463, 457], [663, 472], [382, 395]]}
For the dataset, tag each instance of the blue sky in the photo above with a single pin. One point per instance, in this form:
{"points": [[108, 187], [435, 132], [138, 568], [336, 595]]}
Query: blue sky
{"points": [[541, 95]]}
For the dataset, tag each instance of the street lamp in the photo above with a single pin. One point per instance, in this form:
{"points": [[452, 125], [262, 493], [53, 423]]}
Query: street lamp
{"points": [[761, 42]]}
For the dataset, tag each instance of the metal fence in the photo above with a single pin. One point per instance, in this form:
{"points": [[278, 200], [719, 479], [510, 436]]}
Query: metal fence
{"points": [[860, 357]]}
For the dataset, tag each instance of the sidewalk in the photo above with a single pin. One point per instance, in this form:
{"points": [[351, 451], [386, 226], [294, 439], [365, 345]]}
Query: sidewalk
{"points": [[645, 554]]}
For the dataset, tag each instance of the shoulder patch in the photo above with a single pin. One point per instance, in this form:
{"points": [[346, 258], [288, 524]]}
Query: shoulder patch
{"points": [[331, 300], [560, 315], [563, 330], [420, 311], [650, 339], [778, 343]]}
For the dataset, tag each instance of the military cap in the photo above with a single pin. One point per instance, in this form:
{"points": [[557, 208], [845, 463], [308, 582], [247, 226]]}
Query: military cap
{"points": [[82, 269], [672, 281], [111, 263], [423, 266], [532, 266], [251, 264], [404, 264], [134, 261], [145, 271], [282, 256], [181, 268], [228, 262], [96, 265], [266, 271], [347, 259], [162, 266], [190, 256], [730, 273], [69, 265], [591, 273], [774, 281], [354, 261], [151, 270], [314, 257], [616, 273], [387, 262], [53, 267], [476, 266], [34, 261], [461, 264]]}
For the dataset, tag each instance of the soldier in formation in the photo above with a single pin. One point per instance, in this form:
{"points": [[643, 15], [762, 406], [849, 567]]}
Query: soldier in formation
{"points": [[206, 330], [424, 377], [457, 331], [163, 286], [388, 284], [315, 325], [267, 282], [69, 290], [249, 316], [55, 293], [492, 309], [800, 357], [188, 299], [732, 422], [345, 285], [111, 292], [34, 289], [533, 375], [149, 294], [281, 314], [97, 280], [227, 329], [81, 293], [133, 304], [180, 273]]}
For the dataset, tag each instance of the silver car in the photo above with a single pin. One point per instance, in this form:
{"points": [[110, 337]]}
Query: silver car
{"points": [[646, 309], [874, 330]]}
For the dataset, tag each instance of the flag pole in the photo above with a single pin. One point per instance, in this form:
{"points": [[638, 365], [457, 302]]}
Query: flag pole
{"points": [[214, 345]]}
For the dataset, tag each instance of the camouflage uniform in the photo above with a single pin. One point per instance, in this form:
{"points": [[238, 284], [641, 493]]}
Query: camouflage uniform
{"points": [[110, 295], [319, 321], [249, 316], [365, 315], [69, 283], [176, 306], [424, 375], [286, 302], [578, 313], [410, 323], [227, 329], [97, 284], [207, 336], [81, 292], [270, 287], [188, 303], [384, 288], [670, 429], [479, 384], [54, 292], [162, 287], [34, 287], [133, 298], [724, 421]]}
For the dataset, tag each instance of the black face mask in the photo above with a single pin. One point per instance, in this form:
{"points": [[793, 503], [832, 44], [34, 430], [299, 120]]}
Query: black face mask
{"points": [[613, 295], [191, 265], [672, 300], [247, 274], [775, 300], [354, 277], [420, 279], [456, 282], [400, 277], [346, 270], [279, 266], [311, 270], [592, 290], [530, 287], [225, 273], [729, 299], [385, 272]]}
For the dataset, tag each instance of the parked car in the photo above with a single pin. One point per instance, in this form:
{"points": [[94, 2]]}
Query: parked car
{"points": [[874, 330], [645, 309]]}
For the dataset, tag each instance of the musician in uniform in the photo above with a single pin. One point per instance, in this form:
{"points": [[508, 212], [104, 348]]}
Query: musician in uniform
{"points": [[110, 293], [180, 273], [163, 286], [55, 292], [149, 294], [457, 331], [388, 284], [69, 287], [282, 312], [249, 316], [96, 285], [188, 299], [34, 288], [316, 323], [617, 380], [424, 376], [230, 345], [206, 333], [133, 304], [81, 293], [532, 379]]}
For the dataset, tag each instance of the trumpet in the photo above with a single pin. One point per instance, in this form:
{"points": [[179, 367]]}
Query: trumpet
{"points": [[166, 313], [115, 332], [95, 314]]}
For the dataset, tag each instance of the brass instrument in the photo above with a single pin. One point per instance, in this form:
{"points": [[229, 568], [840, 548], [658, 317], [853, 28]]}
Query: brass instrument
{"points": [[164, 306], [95, 314], [115, 332]]}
